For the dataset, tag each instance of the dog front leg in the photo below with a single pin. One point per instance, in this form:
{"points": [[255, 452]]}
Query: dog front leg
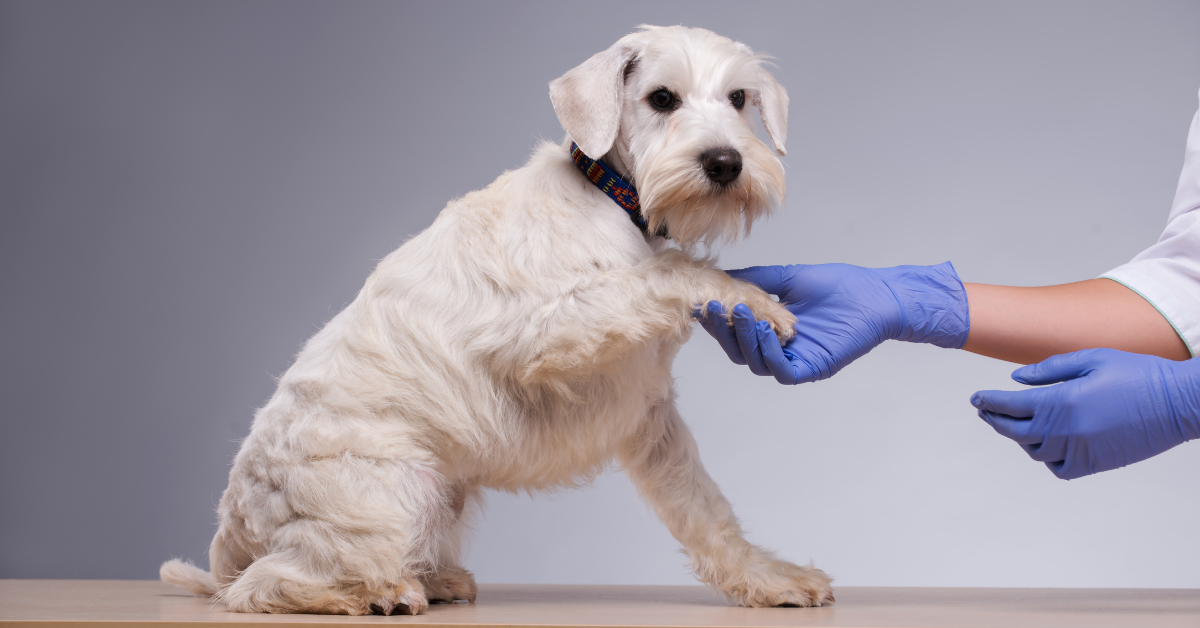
{"points": [[665, 466], [612, 313]]}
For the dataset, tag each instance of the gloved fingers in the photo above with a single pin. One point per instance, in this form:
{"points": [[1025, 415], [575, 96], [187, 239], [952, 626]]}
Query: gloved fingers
{"points": [[1014, 403], [787, 370], [745, 328], [1050, 449], [772, 279], [1020, 431], [717, 325], [1057, 368], [1063, 471]]}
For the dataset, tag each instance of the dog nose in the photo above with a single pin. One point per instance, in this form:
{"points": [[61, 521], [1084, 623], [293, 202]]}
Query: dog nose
{"points": [[722, 165]]}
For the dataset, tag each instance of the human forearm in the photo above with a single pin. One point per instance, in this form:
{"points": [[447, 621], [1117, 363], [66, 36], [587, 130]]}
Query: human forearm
{"points": [[1027, 325], [844, 311]]}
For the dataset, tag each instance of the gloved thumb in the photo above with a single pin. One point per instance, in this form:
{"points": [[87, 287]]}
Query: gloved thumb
{"points": [[1057, 368], [772, 279]]}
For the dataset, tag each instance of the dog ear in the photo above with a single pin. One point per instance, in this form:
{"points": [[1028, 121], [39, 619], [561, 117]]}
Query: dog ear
{"points": [[772, 103], [587, 99]]}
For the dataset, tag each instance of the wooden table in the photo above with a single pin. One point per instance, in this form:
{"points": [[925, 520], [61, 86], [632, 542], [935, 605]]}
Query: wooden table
{"points": [[148, 604]]}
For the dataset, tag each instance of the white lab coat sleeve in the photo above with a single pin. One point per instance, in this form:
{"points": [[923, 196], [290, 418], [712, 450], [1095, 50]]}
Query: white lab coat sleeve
{"points": [[1168, 273]]}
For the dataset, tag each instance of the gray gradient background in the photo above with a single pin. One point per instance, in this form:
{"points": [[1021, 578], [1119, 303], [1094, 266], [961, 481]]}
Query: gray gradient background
{"points": [[189, 190]]}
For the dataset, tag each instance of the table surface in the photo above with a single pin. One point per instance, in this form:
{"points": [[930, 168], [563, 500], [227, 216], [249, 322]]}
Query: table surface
{"points": [[150, 604]]}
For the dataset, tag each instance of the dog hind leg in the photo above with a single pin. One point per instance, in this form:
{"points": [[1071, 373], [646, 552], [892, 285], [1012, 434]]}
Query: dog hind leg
{"points": [[360, 536], [665, 466], [283, 582]]}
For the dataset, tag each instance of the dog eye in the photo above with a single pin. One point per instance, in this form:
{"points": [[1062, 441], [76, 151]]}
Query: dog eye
{"points": [[738, 99], [663, 100]]}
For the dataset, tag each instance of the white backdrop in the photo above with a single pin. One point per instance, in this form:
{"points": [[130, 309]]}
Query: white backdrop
{"points": [[190, 189]]}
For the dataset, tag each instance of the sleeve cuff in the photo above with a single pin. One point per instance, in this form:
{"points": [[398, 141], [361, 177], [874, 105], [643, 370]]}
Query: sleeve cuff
{"points": [[1179, 307]]}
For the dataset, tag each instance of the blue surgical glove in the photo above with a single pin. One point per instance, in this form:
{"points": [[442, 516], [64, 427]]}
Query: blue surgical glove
{"points": [[842, 312], [1112, 409]]}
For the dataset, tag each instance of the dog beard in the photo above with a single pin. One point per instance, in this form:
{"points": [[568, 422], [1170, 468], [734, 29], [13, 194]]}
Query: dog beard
{"points": [[676, 192]]}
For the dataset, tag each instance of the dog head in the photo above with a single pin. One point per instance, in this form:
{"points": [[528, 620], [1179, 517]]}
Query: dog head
{"points": [[668, 107]]}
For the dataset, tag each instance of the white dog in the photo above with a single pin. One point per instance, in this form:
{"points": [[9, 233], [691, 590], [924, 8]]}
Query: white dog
{"points": [[522, 342]]}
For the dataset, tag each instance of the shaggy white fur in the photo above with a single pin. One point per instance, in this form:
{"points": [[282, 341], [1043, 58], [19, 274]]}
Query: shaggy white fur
{"points": [[522, 342]]}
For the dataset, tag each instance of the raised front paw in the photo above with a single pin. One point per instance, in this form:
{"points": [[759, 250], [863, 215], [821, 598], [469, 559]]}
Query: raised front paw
{"points": [[767, 309], [779, 583]]}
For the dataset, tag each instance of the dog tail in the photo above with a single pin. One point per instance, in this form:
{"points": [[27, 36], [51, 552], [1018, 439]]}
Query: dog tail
{"points": [[188, 576]]}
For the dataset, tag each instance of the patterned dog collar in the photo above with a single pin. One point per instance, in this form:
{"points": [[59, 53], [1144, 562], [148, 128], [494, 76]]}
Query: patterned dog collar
{"points": [[618, 189]]}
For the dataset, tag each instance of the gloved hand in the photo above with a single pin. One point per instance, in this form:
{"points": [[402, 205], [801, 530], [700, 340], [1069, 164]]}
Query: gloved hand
{"points": [[1112, 409], [842, 312]]}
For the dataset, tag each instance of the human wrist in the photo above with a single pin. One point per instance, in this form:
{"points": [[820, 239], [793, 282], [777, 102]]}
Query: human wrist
{"points": [[933, 304]]}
